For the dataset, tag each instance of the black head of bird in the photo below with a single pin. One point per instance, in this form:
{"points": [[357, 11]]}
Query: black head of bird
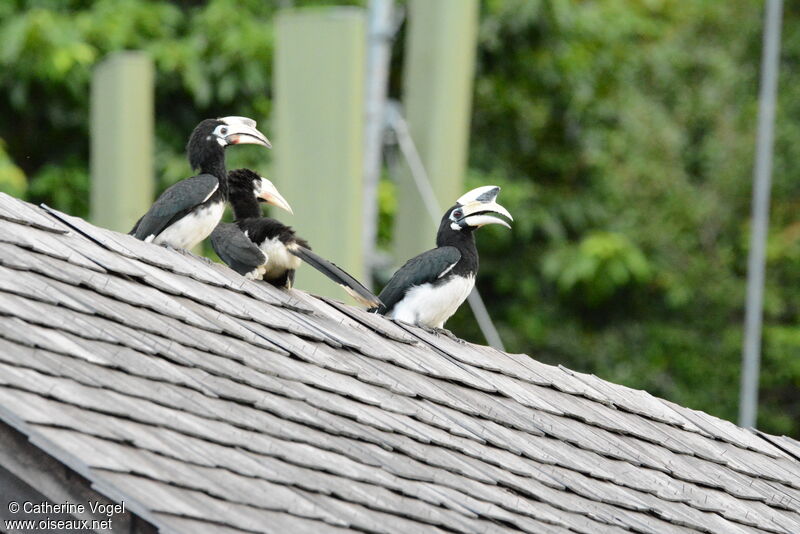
{"points": [[210, 138], [247, 189], [473, 210]]}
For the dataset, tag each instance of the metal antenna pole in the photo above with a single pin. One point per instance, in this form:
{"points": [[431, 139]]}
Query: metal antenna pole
{"points": [[398, 123], [748, 402], [380, 29]]}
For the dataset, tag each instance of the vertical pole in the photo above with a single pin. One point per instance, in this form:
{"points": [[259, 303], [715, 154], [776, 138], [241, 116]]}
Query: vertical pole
{"points": [[379, 40], [121, 140], [319, 126], [748, 402], [437, 96]]}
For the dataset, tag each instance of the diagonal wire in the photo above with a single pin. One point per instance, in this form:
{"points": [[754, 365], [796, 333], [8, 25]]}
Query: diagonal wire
{"points": [[398, 124]]}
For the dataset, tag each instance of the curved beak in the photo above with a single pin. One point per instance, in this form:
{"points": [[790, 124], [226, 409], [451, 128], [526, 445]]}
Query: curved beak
{"points": [[241, 134], [478, 203], [269, 194], [476, 214]]}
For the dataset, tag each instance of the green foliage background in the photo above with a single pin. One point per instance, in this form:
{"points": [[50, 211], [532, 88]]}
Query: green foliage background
{"points": [[622, 133]]}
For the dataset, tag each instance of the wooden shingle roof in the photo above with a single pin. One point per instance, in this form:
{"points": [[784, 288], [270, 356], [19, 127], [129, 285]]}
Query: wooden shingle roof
{"points": [[210, 403]]}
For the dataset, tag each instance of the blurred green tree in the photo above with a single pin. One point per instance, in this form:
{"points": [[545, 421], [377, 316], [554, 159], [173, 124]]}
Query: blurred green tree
{"points": [[12, 179], [621, 132]]}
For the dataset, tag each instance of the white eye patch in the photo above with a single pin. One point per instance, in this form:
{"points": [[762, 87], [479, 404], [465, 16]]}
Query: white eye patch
{"points": [[220, 132], [456, 214]]}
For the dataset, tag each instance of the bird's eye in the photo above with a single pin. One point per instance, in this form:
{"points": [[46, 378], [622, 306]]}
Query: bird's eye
{"points": [[223, 131], [458, 214]]}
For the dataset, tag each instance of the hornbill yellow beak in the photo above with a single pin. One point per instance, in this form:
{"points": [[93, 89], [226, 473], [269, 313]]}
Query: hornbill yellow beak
{"points": [[268, 193], [242, 130], [476, 204]]}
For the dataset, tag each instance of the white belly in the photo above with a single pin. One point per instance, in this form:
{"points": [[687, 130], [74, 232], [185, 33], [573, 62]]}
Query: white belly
{"points": [[279, 259], [429, 305], [191, 229]]}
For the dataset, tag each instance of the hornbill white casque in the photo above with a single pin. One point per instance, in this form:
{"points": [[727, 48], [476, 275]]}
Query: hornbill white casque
{"points": [[430, 287], [187, 212], [263, 248]]}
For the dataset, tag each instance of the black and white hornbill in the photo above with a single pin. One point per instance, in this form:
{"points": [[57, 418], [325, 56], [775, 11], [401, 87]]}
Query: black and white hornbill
{"points": [[263, 248], [187, 212], [430, 287]]}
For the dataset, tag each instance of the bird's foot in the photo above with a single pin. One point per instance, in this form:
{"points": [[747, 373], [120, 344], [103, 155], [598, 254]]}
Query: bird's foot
{"points": [[183, 251], [188, 253], [443, 332]]}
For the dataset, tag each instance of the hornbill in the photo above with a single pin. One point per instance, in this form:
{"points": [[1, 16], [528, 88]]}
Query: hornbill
{"points": [[187, 212], [430, 287], [263, 248]]}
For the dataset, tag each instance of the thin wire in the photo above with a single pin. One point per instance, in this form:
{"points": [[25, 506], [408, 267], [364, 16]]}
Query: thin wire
{"points": [[400, 127]]}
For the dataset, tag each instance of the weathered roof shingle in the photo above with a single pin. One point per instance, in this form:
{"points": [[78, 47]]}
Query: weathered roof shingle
{"points": [[210, 403]]}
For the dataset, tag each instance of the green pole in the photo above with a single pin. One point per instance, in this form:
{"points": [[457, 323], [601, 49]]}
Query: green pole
{"points": [[438, 71], [121, 140], [318, 134]]}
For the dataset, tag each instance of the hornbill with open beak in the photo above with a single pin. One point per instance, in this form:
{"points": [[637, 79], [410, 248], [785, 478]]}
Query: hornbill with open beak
{"points": [[263, 248], [187, 212], [430, 287]]}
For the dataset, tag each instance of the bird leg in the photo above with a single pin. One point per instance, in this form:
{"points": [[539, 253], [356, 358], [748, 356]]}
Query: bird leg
{"points": [[434, 331], [443, 332], [188, 253]]}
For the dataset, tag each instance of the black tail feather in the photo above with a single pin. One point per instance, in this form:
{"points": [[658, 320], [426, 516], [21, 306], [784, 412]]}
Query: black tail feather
{"points": [[353, 287]]}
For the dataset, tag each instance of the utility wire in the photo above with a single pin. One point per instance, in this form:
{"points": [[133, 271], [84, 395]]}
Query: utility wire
{"points": [[398, 124]]}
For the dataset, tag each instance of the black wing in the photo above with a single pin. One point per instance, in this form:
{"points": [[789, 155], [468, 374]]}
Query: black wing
{"points": [[174, 203], [353, 287], [236, 249], [427, 267]]}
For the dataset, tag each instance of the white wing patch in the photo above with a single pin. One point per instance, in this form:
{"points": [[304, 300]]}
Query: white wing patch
{"points": [[211, 193], [450, 268]]}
